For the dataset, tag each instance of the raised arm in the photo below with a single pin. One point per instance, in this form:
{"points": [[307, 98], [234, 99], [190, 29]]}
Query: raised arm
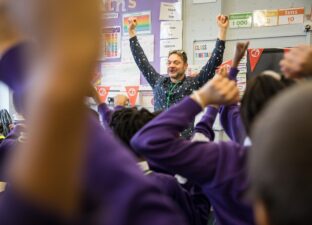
{"points": [[203, 130], [55, 111], [198, 161], [139, 56], [208, 71], [230, 117]]}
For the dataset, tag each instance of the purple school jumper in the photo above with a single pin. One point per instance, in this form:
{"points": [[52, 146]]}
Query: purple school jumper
{"points": [[106, 113], [220, 168], [204, 126], [15, 209], [193, 212], [8, 143], [115, 190], [230, 117]]}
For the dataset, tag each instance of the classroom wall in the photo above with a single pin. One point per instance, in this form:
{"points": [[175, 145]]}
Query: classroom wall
{"points": [[199, 24]]}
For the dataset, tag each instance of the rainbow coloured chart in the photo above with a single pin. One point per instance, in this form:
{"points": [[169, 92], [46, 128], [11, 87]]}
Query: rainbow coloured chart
{"points": [[144, 25]]}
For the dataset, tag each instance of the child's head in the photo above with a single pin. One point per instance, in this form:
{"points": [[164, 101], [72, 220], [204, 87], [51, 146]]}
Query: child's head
{"points": [[127, 121], [260, 89], [280, 164]]}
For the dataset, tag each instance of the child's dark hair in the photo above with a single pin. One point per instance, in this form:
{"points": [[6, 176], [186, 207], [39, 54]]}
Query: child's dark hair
{"points": [[126, 122], [280, 162], [260, 89]]}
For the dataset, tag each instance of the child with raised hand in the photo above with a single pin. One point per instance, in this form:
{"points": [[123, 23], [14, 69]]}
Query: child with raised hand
{"points": [[88, 177], [37, 176], [219, 168]]}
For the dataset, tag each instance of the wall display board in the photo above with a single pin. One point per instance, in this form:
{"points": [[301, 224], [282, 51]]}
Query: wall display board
{"points": [[117, 65]]}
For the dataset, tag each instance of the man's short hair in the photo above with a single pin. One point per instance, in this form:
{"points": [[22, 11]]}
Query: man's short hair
{"points": [[180, 53], [280, 165]]}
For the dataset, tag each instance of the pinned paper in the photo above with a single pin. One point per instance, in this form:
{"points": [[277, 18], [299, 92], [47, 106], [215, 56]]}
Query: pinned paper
{"points": [[265, 18], [111, 42], [103, 92], [254, 56], [170, 11], [132, 92], [290, 16], [170, 29]]}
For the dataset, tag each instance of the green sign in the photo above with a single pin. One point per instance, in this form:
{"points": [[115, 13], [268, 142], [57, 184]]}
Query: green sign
{"points": [[240, 20]]}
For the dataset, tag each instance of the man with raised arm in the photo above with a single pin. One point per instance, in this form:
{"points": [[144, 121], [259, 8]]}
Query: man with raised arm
{"points": [[169, 90]]}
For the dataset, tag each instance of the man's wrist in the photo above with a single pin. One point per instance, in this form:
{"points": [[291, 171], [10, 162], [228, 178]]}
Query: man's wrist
{"points": [[222, 34], [132, 33]]}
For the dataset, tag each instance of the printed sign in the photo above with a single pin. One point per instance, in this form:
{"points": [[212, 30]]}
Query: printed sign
{"points": [[132, 92], [240, 20], [290, 16], [170, 11], [170, 29], [254, 56], [103, 92], [265, 18]]}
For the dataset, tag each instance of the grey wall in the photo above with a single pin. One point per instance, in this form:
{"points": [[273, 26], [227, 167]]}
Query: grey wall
{"points": [[199, 24]]}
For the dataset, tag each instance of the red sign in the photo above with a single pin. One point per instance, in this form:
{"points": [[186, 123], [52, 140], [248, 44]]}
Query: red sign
{"points": [[103, 92], [132, 92], [254, 56]]}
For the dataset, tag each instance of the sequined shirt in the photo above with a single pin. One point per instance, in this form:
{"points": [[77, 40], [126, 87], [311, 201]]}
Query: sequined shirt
{"points": [[166, 93]]}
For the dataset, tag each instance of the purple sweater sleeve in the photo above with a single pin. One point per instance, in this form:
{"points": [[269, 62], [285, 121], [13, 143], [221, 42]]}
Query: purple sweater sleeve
{"points": [[120, 190], [205, 125], [231, 122], [233, 73], [18, 210], [230, 118], [206, 163], [106, 113]]}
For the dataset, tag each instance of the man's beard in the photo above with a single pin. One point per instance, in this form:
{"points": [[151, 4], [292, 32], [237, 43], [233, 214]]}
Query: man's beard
{"points": [[178, 75]]}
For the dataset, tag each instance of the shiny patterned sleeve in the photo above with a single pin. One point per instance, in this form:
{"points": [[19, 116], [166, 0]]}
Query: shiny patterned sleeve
{"points": [[208, 71], [142, 62]]}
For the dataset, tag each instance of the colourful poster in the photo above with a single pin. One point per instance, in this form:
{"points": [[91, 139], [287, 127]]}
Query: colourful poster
{"points": [[144, 24], [111, 42]]}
